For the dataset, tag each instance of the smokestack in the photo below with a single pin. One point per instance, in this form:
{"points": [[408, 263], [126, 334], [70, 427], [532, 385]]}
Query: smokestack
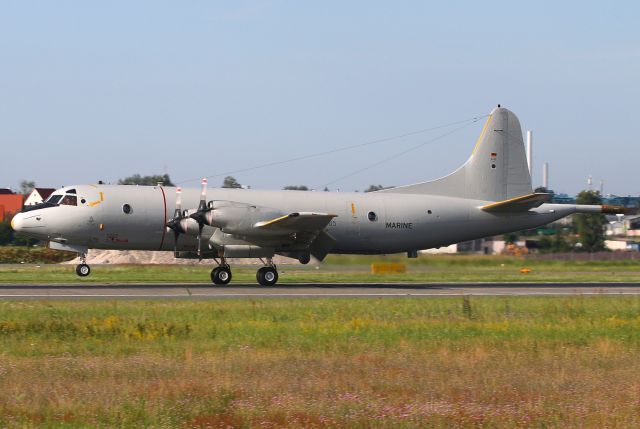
{"points": [[545, 175], [530, 152]]}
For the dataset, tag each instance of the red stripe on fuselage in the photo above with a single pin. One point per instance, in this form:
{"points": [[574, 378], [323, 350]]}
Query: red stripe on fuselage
{"points": [[164, 225]]}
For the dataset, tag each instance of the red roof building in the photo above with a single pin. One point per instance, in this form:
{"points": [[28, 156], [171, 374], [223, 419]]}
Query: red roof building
{"points": [[10, 204], [38, 195]]}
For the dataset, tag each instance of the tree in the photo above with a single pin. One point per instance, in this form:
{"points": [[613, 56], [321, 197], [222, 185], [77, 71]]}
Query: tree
{"points": [[153, 180], [26, 186], [6, 233], [373, 188], [231, 182], [559, 243], [543, 190], [590, 227], [295, 188], [510, 238]]}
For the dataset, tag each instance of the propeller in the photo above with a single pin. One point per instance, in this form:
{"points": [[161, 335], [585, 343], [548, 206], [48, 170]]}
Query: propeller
{"points": [[200, 215], [175, 223]]}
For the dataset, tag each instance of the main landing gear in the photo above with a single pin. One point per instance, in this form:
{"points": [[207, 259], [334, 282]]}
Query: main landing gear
{"points": [[83, 270], [221, 275], [266, 276]]}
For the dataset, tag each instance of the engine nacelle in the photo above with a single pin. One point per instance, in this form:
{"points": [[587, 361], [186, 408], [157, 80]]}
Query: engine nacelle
{"points": [[237, 218], [229, 216]]}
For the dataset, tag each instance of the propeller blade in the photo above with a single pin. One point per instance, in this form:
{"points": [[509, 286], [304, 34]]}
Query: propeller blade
{"points": [[178, 210], [175, 223], [176, 234], [200, 226], [203, 195]]}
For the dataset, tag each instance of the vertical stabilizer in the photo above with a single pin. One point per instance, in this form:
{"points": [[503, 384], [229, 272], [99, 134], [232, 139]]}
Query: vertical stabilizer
{"points": [[497, 169]]}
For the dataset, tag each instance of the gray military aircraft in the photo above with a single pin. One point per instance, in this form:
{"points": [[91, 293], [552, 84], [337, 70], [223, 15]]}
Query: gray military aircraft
{"points": [[490, 194]]}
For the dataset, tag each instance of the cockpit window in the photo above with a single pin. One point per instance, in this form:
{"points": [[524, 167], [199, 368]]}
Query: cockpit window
{"points": [[53, 199], [69, 200], [71, 191]]}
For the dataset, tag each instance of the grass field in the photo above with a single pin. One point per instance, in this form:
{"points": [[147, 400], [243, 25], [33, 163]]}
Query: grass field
{"points": [[446, 362], [349, 269]]}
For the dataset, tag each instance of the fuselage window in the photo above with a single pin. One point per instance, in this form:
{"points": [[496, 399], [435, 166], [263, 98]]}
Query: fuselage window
{"points": [[372, 216], [126, 208], [71, 191], [69, 200]]}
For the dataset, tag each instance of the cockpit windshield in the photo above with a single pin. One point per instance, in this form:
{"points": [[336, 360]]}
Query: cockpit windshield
{"points": [[53, 199], [69, 200]]}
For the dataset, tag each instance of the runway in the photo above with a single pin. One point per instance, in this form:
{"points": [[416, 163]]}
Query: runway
{"points": [[382, 290]]}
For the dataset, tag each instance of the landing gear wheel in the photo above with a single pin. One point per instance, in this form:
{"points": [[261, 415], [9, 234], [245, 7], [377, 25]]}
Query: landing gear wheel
{"points": [[83, 270], [221, 275], [304, 258], [267, 276]]}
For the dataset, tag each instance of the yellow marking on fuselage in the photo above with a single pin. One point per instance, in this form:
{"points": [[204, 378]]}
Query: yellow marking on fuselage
{"points": [[484, 130], [269, 222], [95, 203], [353, 209], [510, 200]]}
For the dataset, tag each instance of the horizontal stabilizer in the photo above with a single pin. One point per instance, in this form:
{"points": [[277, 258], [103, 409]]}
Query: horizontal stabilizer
{"points": [[297, 222], [620, 210], [605, 209], [518, 204]]}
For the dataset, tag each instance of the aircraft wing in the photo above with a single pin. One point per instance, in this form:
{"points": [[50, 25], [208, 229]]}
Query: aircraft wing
{"points": [[299, 222], [519, 204]]}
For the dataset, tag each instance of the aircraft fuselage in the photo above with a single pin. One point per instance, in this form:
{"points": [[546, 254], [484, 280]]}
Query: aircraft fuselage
{"points": [[365, 223]]}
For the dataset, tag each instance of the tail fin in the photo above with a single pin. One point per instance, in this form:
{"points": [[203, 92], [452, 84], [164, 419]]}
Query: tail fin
{"points": [[497, 169]]}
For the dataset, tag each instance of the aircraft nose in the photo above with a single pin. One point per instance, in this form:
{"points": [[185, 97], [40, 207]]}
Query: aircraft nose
{"points": [[17, 223]]}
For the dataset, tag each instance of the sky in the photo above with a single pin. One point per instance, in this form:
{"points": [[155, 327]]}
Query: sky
{"points": [[102, 90]]}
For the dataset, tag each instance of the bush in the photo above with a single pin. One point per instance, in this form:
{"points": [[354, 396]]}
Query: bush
{"points": [[28, 255]]}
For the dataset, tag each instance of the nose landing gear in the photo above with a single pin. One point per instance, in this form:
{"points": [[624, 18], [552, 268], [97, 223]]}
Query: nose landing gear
{"points": [[83, 270]]}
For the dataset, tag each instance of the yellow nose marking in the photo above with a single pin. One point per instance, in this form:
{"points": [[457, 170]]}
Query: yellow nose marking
{"points": [[95, 203], [12, 227]]}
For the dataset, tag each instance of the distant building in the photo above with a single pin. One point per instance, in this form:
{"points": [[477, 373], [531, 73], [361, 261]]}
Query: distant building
{"points": [[632, 225], [562, 199], [615, 200], [37, 196], [624, 226], [10, 204]]}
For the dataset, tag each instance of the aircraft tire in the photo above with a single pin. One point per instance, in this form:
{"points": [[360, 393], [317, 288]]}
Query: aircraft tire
{"points": [[304, 258], [221, 275], [267, 276], [83, 270]]}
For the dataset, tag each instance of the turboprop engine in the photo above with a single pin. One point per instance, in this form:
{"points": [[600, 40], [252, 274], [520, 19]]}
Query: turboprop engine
{"points": [[229, 217], [237, 218]]}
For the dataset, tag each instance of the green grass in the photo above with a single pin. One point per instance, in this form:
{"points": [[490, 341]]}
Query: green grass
{"points": [[349, 269], [452, 362]]}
